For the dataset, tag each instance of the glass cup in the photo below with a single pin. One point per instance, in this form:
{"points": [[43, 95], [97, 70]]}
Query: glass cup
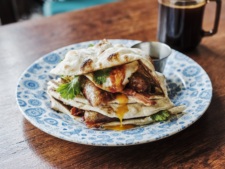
{"points": [[180, 23]]}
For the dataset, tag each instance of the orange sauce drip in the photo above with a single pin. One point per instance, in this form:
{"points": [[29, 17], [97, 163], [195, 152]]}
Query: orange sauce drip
{"points": [[119, 127], [122, 108]]}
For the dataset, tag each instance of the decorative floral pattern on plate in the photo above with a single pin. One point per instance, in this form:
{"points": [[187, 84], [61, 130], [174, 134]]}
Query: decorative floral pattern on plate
{"points": [[188, 84]]}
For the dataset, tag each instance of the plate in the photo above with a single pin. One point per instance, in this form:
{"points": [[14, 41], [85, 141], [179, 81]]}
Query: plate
{"points": [[188, 84]]}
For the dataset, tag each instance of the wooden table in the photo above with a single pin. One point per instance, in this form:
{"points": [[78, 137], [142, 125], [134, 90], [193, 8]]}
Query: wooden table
{"points": [[22, 145]]}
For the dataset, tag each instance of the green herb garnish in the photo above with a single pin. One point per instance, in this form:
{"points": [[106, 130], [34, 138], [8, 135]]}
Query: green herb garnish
{"points": [[163, 115], [71, 89], [101, 75], [90, 45]]}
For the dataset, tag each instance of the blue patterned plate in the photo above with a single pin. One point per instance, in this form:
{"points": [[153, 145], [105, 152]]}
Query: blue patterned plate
{"points": [[188, 84]]}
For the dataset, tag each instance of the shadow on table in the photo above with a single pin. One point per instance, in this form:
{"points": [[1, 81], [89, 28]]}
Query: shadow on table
{"points": [[206, 51], [197, 145]]}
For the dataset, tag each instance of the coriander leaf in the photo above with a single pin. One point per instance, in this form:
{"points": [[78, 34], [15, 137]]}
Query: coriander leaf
{"points": [[101, 75], [71, 89], [163, 115], [90, 45]]}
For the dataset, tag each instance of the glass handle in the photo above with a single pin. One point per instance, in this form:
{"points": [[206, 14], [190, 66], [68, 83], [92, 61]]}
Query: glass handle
{"points": [[217, 18]]}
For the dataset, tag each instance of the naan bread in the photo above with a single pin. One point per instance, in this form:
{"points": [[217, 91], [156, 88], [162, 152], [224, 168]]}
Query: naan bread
{"points": [[93, 102], [101, 56], [137, 121], [134, 109]]}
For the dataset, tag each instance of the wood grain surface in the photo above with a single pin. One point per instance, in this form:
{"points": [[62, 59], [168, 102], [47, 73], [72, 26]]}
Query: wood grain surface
{"points": [[22, 145]]}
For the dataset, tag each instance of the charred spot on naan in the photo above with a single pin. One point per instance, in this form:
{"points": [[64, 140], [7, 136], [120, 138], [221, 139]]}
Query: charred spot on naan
{"points": [[103, 42], [126, 58], [87, 65], [114, 57]]}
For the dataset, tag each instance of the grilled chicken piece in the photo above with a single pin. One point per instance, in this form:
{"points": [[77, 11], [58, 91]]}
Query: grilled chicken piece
{"points": [[95, 95]]}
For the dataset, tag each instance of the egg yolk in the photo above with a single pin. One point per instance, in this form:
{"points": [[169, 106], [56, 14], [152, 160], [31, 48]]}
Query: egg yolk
{"points": [[122, 108], [120, 112]]}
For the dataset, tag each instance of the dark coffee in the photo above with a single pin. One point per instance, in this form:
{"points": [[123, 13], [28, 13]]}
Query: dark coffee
{"points": [[180, 24]]}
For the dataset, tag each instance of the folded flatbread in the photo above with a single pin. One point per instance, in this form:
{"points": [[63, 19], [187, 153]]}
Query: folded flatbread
{"points": [[110, 85]]}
